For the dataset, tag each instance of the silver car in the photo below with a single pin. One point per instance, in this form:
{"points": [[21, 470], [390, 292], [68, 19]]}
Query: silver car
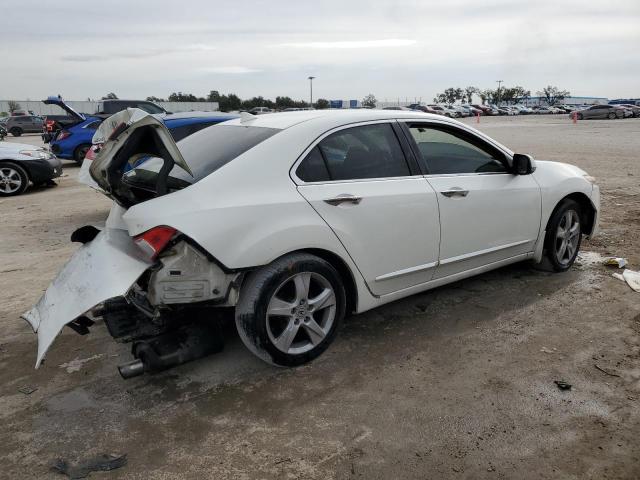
{"points": [[599, 111], [21, 164]]}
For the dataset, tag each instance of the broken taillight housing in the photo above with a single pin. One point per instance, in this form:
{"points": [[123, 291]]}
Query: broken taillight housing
{"points": [[153, 241], [91, 153], [62, 135]]}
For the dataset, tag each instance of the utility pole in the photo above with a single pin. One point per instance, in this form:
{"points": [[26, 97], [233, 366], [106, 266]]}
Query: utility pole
{"points": [[311, 91], [499, 82]]}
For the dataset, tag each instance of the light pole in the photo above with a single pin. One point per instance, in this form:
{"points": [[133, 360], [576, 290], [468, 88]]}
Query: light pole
{"points": [[499, 82], [311, 91]]}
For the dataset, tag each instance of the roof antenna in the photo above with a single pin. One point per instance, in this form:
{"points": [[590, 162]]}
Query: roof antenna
{"points": [[246, 117]]}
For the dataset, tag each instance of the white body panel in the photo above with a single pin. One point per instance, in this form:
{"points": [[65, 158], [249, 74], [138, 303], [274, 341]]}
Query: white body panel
{"points": [[392, 235], [498, 218]]}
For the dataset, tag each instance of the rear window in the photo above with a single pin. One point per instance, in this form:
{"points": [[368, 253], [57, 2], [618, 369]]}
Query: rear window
{"points": [[183, 131], [209, 149]]}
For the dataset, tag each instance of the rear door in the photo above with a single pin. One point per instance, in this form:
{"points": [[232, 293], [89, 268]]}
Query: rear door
{"points": [[375, 199], [487, 214]]}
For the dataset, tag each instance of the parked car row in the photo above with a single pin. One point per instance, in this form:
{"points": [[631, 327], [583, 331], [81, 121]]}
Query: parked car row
{"points": [[466, 110]]}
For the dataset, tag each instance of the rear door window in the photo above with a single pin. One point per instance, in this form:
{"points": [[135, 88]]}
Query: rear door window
{"points": [[356, 153]]}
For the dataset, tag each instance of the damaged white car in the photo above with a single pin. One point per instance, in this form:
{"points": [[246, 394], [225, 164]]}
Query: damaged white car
{"points": [[295, 220]]}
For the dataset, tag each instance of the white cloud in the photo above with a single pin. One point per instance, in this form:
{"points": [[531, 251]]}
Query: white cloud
{"points": [[233, 69], [389, 42]]}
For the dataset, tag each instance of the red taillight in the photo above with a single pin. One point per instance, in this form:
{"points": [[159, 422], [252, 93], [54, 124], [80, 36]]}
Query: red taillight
{"points": [[62, 135], [91, 153], [153, 241]]}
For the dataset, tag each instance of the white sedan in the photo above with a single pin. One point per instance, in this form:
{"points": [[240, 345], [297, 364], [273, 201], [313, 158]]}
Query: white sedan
{"points": [[297, 219]]}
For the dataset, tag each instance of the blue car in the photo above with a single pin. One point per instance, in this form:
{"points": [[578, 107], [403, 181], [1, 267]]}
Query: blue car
{"points": [[73, 135]]}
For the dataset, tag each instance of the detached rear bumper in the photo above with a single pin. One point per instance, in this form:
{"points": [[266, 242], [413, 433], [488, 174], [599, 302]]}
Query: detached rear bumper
{"points": [[104, 268]]}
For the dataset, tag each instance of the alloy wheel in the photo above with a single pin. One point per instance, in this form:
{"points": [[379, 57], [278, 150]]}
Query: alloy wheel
{"points": [[301, 313], [567, 237], [10, 180]]}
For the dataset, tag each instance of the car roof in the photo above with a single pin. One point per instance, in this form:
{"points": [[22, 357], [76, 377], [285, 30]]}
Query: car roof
{"points": [[284, 120], [213, 115]]}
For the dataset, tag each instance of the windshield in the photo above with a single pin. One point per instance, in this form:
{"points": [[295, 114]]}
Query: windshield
{"points": [[205, 152]]}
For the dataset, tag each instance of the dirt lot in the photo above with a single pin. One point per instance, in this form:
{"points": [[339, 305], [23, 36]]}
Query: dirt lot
{"points": [[453, 383]]}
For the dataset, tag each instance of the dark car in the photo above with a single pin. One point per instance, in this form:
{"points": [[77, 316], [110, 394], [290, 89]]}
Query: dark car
{"points": [[109, 107], [21, 164], [599, 111], [19, 124]]}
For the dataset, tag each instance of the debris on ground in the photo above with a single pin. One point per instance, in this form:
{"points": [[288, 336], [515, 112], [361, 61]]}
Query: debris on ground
{"points": [[27, 390], [100, 463], [546, 350], [615, 262], [76, 364], [605, 371], [562, 385], [632, 278]]}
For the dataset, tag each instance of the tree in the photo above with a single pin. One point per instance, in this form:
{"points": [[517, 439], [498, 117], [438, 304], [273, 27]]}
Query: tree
{"points": [[468, 94], [13, 106], [486, 94], [369, 101], [185, 97], [553, 94], [322, 103], [110, 96], [155, 99], [514, 94], [450, 95]]}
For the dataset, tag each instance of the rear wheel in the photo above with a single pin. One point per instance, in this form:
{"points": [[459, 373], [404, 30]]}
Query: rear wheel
{"points": [[80, 152], [580, 116], [16, 131], [13, 179], [564, 234], [289, 311], [612, 116]]}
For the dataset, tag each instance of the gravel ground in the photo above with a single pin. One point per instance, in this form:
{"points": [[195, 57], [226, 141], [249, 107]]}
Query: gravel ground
{"points": [[453, 383]]}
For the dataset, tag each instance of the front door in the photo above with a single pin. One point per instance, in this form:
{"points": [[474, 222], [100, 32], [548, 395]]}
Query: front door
{"points": [[385, 214], [487, 214]]}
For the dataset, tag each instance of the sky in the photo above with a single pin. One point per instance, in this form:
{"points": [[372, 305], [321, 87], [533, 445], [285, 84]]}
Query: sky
{"points": [[404, 49]]}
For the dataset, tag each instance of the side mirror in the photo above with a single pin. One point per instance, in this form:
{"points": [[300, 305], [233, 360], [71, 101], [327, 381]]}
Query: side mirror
{"points": [[522, 164]]}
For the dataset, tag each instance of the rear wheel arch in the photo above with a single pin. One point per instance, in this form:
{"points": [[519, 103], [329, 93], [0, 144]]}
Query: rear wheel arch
{"points": [[79, 150], [346, 274], [348, 280]]}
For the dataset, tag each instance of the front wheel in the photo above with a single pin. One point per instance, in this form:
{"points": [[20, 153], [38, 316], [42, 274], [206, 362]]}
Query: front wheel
{"points": [[15, 131], [612, 116], [13, 179], [564, 233], [289, 311]]}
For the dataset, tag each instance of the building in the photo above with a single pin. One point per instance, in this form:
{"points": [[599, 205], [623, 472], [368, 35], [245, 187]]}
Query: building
{"points": [[39, 108]]}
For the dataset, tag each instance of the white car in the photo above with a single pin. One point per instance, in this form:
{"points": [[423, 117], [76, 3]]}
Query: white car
{"points": [[297, 219]]}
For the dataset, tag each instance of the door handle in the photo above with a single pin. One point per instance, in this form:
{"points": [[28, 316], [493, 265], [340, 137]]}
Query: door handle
{"points": [[343, 198], [455, 192]]}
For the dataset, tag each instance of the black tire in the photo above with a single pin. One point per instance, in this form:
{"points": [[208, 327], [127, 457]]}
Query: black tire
{"points": [[551, 259], [21, 172], [80, 152], [261, 286], [16, 131], [580, 116], [612, 116]]}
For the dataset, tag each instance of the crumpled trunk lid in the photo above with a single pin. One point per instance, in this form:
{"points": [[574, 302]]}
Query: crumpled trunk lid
{"points": [[124, 137]]}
